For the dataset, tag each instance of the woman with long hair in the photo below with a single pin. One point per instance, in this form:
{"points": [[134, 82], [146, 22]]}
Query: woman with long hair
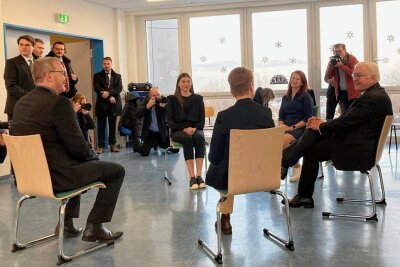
{"points": [[295, 110], [185, 116]]}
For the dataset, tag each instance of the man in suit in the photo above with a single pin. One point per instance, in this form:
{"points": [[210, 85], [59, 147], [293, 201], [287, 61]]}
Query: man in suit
{"points": [[108, 85], [58, 51], [71, 160], [17, 74], [245, 114], [154, 131], [38, 48], [350, 141]]}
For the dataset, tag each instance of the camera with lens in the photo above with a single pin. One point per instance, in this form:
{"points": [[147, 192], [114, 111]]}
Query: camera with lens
{"points": [[139, 86], [86, 106], [161, 100], [335, 59]]}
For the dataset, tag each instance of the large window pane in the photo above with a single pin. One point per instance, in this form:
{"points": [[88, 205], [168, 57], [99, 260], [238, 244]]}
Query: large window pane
{"points": [[162, 53], [215, 51], [388, 38], [280, 46], [336, 29]]}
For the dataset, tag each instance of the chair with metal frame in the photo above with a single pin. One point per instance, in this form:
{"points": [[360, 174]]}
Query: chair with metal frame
{"points": [[379, 150], [33, 180], [254, 166], [393, 129]]}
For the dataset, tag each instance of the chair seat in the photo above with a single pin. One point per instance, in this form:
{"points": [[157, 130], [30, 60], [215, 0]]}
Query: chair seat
{"points": [[78, 191], [176, 144], [223, 192]]}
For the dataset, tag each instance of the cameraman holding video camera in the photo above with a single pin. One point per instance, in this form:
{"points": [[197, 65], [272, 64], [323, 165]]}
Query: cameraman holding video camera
{"points": [[154, 131], [338, 75]]}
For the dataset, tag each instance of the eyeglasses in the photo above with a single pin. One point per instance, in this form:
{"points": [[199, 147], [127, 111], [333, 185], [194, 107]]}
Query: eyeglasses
{"points": [[357, 75], [60, 71]]}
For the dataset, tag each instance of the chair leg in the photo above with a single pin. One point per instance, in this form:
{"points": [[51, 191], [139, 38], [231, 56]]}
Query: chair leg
{"points": [[216, 256], [382, 200], [320, 171], [369, 217], [16, 245], [165, 166], [62, 258], [395, 135], [390, 137], [287, 243], [205, 158]]}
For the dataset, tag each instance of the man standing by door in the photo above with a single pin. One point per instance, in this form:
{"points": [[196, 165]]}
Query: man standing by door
{"points": [[58, 50], [108, 85], [17, 74]]}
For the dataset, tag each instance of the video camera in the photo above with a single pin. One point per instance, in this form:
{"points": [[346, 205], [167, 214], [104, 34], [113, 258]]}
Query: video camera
{"points": [[161, 99], [335, 59], [86, 106], [139, 86]]}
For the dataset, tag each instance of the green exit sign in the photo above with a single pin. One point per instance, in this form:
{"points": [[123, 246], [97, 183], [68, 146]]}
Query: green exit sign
{"points": [[63, 18]]}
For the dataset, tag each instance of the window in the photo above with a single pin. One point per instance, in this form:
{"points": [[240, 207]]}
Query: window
{"points": [[335, 29], [279, 46], [162, 53], [215, 51], [388, 40]]}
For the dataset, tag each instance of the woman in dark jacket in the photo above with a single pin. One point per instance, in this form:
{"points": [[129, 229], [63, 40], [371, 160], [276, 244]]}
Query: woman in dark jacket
{"points": [[185, 116]]}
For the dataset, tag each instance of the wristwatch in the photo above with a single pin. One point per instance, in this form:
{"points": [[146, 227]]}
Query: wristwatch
{"points": [[294, 127]]}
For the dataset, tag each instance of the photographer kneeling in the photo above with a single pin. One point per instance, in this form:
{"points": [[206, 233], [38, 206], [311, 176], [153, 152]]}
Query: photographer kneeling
{"points": [[82, 109], [155, 131]]}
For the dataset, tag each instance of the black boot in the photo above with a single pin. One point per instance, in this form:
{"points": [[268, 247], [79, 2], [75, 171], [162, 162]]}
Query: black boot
{"points": [[69, 228], [97, 232]]}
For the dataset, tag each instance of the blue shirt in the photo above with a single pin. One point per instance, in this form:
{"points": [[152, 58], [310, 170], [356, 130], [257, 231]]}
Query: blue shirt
{"points": [[297, 109]]}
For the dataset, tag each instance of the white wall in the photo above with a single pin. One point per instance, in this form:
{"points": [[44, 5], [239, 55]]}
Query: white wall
{"points": [[12, 45], [86, 19]]}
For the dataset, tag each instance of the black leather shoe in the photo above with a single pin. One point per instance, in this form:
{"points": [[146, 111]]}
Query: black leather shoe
{"points": [[284, 172], [69, 229], [297, 202], [226, 227], [97, 232]]}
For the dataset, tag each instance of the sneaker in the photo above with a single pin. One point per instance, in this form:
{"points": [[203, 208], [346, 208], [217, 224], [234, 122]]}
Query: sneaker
{"points": [[193, 183], [295, 174], [200, 182]]}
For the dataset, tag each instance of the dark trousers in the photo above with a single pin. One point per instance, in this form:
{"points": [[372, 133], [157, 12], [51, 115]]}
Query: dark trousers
{"points": [[112, 175], [314, 148], [189, 142], [153, 139], [101, 130], [331, 103]]}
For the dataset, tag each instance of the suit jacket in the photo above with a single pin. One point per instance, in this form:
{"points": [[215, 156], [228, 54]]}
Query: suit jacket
{"points": [[245, 114], [356, 132], [68, 67], [103, 106], [67, 152], [145, 114], [18, 80]]}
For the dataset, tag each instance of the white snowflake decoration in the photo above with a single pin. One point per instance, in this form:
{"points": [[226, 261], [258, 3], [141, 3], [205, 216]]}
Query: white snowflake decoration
{"points": [[223, 69], [390, 38], [292, 60], [350, 34], [222, 40], [278, 44], [265, 59], [203, 58]]}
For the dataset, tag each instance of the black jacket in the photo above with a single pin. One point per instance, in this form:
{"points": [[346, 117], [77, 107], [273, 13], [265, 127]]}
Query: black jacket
{"points": [[245, 114], [18, 80], [129, 117], [145, 114], [72, 84], [103, 105]]}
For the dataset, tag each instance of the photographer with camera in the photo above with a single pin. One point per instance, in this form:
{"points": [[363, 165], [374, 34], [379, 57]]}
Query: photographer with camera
{"points": [[338, 75], [82, 108], [154, 131]]}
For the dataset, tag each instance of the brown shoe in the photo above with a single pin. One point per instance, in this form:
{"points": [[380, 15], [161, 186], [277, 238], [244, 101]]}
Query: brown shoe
{"points": [[226, 226], [99, 150], [114, 148]]}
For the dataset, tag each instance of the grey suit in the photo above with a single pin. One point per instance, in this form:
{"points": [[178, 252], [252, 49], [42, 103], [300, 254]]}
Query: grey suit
{"points": [[245, 114], [71, 160], [18, 81]]}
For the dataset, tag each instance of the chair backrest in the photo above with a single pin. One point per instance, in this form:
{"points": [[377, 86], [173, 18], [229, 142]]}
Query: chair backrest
{"points": [[208, 113], [382, 138], [255, 160], [30, 165]]}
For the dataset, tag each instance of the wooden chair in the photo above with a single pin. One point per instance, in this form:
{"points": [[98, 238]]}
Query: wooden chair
{"points": [[381, 144], [33, 180], [254, 166]]}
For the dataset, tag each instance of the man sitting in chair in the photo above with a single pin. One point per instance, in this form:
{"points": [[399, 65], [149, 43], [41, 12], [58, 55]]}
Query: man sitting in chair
{"points": [[72, 162], [245, 114], [350, 141]]}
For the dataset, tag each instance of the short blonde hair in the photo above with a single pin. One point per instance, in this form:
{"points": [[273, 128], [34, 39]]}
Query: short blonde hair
{"points": [[41, 66], [239, 80]]}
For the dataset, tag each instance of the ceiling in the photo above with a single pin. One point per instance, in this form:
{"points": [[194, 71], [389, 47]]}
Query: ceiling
{"points": [[150, 4]]}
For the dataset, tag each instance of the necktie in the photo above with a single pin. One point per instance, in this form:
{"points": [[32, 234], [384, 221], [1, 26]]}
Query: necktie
{"points": [[108, 79], [30, 63]]}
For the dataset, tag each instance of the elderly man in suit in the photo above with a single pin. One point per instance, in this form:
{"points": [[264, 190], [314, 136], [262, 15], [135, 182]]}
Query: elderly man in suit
{"points": [[71, 160], [108, 85], [17, 73], [245, 114], [350, 141]]}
